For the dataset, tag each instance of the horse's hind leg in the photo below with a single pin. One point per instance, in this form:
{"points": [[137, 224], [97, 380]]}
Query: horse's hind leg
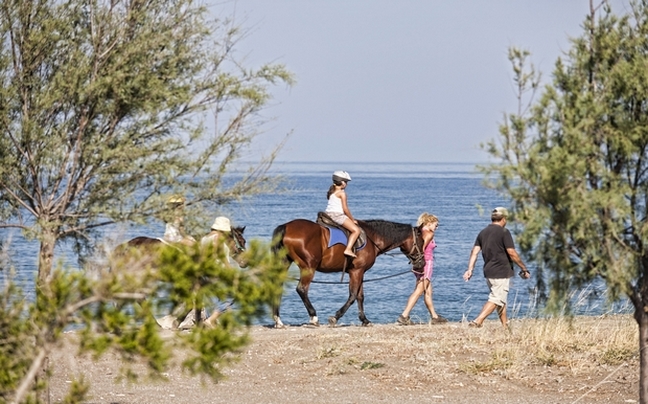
{"points": [[275, 313], [305, 278]]}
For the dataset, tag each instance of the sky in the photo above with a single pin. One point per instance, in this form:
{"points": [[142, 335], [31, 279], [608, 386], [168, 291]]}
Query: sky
{"points": [[397, 80]]}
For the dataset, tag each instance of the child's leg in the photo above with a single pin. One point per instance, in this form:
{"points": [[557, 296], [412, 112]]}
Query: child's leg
{"points": [[427, 285], [418, 290], [353, 237]]}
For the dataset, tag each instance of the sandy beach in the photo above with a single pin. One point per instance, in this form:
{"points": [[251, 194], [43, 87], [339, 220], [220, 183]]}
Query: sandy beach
{"points": [[440, 363]]}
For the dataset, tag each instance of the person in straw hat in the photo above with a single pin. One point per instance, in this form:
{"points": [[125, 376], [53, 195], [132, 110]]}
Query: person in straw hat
{"points": [[174, 231], [216, 237], [217, 233]]}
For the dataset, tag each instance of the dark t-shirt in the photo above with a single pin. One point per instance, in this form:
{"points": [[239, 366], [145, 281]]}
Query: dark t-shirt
{"points": [[494, 240]]}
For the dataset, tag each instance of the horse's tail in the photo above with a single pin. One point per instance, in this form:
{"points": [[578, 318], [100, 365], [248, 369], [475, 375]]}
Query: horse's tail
{"points": [[277, 238]]}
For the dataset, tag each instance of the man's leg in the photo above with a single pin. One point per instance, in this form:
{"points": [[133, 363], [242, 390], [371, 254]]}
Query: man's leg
{"points": [[496, 300], [501, 312], [486, 311]]}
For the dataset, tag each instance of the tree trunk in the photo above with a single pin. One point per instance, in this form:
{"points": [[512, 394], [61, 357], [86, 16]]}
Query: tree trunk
{"points": [[642, 318], [46, 257]]}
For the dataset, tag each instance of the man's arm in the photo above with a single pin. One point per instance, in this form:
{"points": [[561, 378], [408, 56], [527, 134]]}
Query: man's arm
{"points": [[515, 257], [471, 262]]}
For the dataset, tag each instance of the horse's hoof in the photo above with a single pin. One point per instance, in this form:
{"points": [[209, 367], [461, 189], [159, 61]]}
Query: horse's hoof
{"points": [[366, 323], [279, 326], [332, 320]]}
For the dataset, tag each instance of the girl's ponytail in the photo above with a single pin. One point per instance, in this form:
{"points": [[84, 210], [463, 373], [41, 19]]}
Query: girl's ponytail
{"points": [[330, 191]]}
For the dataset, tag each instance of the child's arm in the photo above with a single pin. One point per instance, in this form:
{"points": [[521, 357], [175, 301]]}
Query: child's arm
{"points": [[345, 207]]}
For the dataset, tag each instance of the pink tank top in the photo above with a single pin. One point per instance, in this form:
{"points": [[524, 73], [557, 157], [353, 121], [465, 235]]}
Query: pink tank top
{"points": [[429, 260]]}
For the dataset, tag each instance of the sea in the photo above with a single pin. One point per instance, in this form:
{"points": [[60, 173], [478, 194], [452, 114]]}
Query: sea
{"points": [[400, 192], [397, 192]]}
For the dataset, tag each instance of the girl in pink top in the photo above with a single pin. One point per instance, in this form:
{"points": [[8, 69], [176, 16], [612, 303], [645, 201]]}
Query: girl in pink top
{"points": [[428, 224]]}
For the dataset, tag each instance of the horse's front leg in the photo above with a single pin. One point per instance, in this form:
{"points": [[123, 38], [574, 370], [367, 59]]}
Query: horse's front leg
{"points": [[305, 278], [355, 283], [361, 313]]}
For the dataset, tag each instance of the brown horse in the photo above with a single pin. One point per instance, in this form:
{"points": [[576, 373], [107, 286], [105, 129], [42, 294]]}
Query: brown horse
{"points": [[306, 244], [141, 252]]}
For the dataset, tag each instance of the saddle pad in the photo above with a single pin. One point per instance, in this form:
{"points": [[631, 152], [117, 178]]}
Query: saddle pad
{"points": [[337, 236]]}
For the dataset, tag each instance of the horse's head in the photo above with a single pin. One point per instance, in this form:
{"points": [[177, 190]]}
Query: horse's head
{"points": [[413, 248], [237, 246]]}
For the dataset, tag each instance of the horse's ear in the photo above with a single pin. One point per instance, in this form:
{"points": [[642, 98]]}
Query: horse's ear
{"points": [[242, 229]]}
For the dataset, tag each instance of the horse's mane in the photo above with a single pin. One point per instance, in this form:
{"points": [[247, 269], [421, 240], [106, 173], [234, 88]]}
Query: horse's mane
{"points": [[393, 233]]}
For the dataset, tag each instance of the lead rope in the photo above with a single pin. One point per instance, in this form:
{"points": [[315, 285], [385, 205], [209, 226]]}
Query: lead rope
{"points": [[381, 251]]}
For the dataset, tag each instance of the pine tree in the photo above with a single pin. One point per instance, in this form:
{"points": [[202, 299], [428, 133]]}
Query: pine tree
{"points": [[575, 163]]}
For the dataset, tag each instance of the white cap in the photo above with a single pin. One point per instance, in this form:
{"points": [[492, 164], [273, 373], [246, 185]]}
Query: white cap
{"points": [[221, 224], [499, 212]]}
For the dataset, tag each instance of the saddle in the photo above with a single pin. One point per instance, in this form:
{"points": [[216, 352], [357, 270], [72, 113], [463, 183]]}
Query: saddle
{"points": [[325, 220]]}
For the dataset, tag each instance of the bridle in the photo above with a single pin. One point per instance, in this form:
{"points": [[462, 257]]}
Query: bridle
{"points": [[414, 260], [237, 243]]}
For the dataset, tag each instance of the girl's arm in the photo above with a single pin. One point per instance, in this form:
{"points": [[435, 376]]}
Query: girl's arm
{"points": [[345, 207], [427, 237]]}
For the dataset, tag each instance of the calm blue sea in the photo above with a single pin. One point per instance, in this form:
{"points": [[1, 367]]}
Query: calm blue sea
{"points": [[397, 192]]}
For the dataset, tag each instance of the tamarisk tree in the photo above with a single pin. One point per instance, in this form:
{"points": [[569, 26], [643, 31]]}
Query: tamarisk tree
{"points": [[575, 163], [103, 115], [106, 109]]}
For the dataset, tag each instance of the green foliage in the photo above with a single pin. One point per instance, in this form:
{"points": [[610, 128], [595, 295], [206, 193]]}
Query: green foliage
{"points": [[103, 108], [16, 332], [115, 310], [103, 116], [371, 365], [575, 160]]}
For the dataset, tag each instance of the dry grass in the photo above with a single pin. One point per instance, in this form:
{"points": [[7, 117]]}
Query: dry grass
{"points": [[560, 342]]}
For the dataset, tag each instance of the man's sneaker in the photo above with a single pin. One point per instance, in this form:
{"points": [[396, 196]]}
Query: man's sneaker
{"points": [[404, 320]]}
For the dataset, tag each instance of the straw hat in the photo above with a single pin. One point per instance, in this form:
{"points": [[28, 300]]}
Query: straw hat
{"points": [[221, 224], [176, 200]]}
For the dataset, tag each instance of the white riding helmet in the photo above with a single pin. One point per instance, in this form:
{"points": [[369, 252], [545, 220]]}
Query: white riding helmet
{"points": [[341, 176]]}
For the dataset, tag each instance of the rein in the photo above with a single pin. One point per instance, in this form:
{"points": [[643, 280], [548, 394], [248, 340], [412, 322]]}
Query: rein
{"points": [[409, 255], [415, 248]]}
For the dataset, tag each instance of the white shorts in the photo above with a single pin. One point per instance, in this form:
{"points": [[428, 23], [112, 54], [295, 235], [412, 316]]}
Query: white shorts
{"points": [[338, 218], [499, 289]]}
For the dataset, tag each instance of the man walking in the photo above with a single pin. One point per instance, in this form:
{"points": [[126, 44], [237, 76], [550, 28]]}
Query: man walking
{"points": [[498, 251]]}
